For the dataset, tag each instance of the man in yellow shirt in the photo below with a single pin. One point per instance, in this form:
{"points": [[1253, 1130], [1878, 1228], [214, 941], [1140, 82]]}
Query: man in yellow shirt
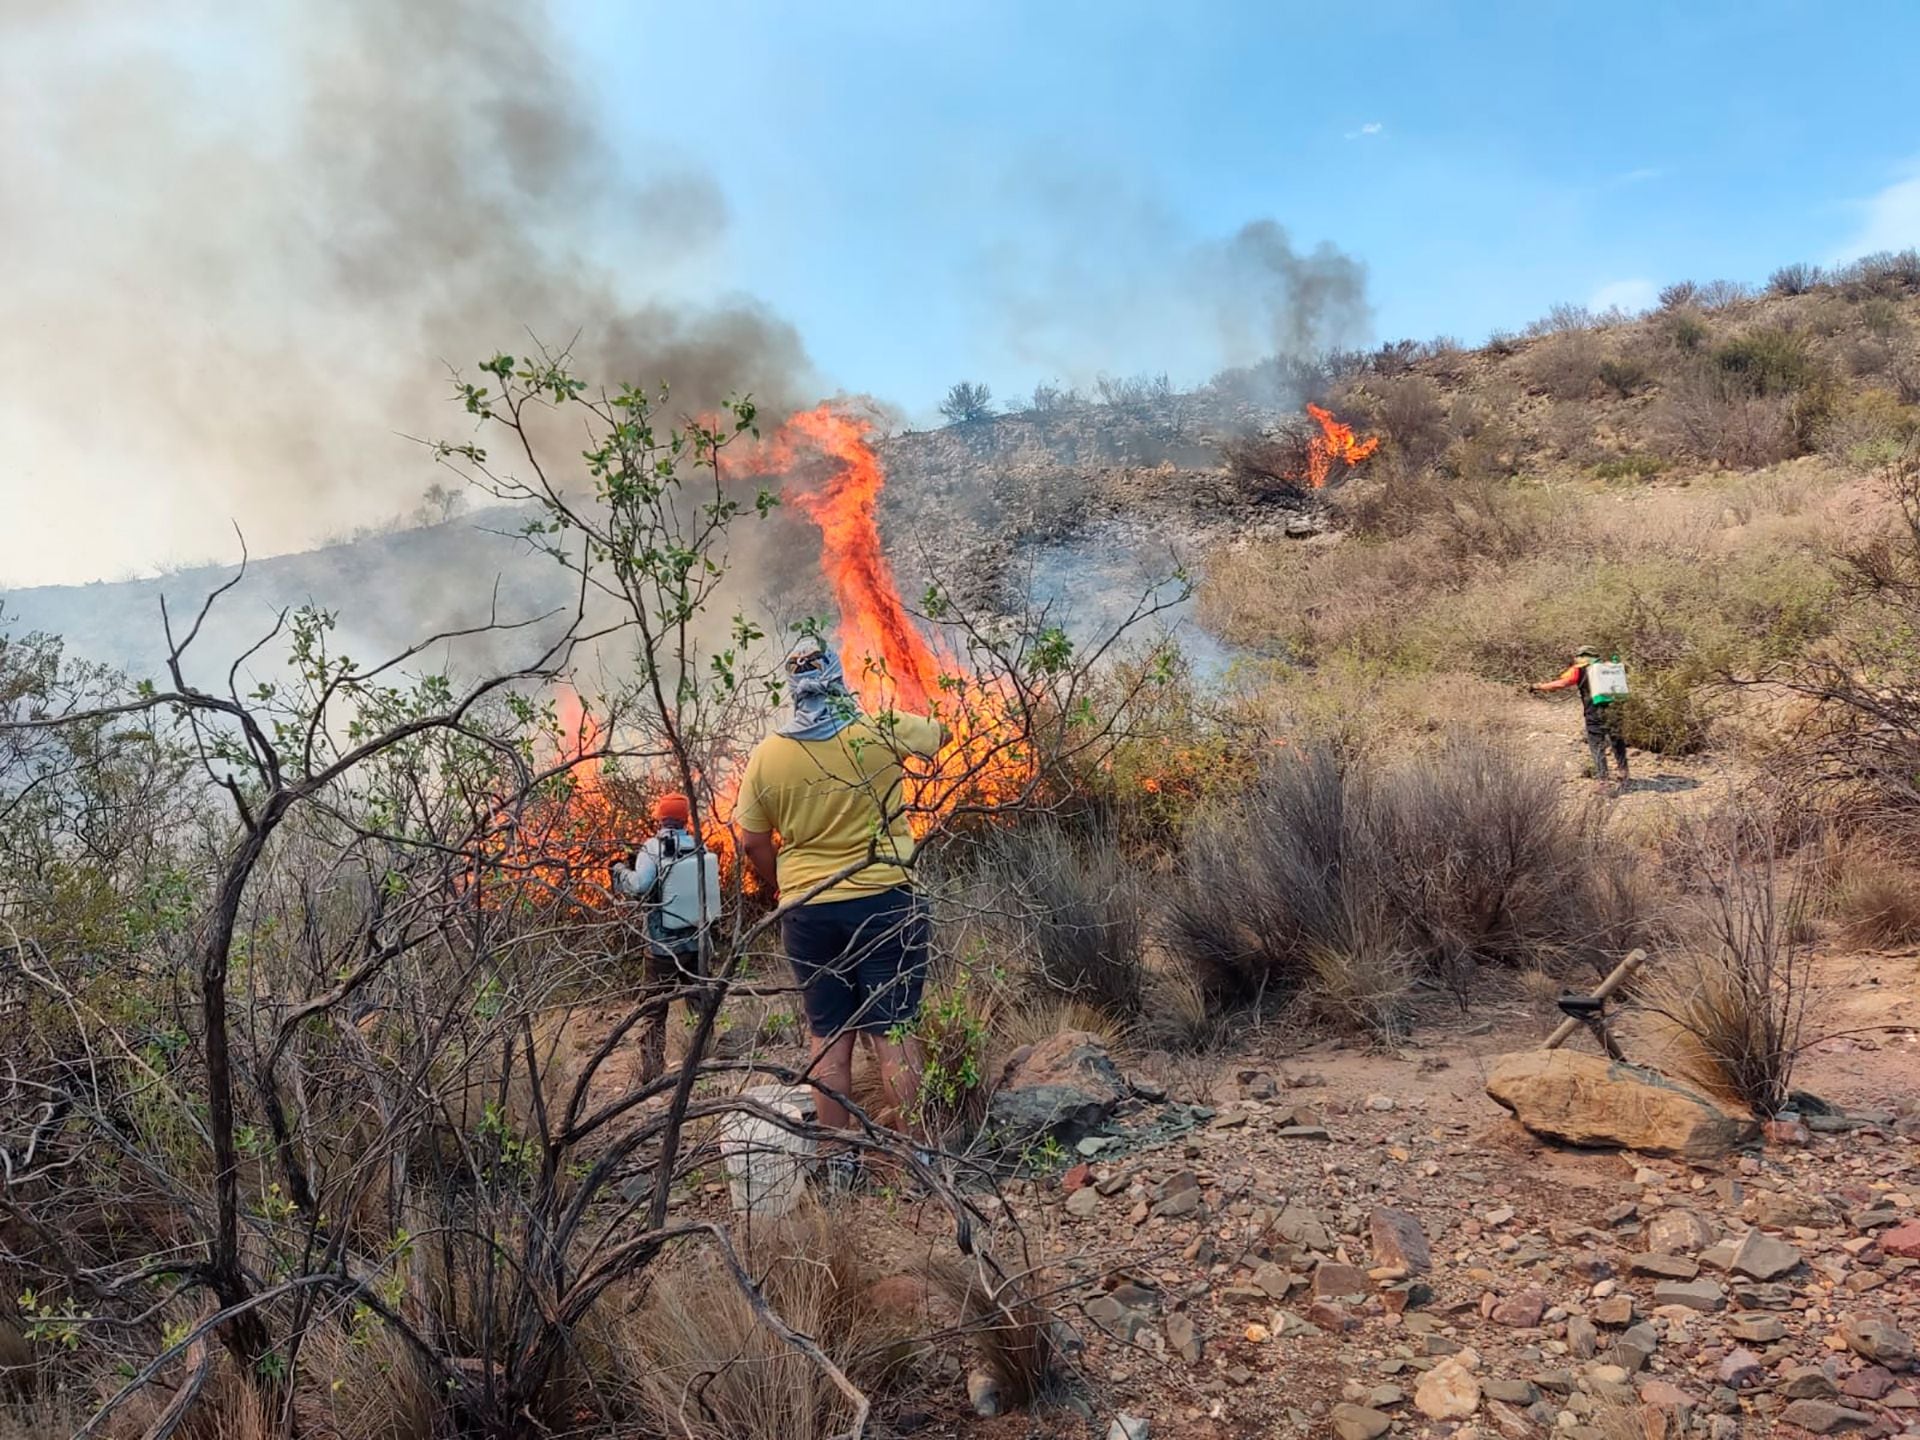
{"points": [[829, 785]]}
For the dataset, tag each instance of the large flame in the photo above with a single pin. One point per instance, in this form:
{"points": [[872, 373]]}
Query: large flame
{"points": [[831, 474], [834, 477], [1334, 442]]}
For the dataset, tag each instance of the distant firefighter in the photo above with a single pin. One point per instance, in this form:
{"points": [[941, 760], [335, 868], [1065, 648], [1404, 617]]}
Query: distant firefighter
{"points": [[1602, 685]]}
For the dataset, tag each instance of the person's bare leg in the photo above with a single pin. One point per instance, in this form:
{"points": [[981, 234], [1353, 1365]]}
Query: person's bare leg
{"points": [[833, 1068], [901, 1063]]}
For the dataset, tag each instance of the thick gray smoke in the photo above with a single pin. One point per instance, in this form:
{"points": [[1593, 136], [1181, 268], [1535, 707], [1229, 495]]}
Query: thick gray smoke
{"points": [[1099, 276], [245, 243]]}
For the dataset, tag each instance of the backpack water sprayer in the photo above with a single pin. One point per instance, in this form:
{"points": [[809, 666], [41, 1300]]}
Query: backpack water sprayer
{"points": [[1606, 681]]}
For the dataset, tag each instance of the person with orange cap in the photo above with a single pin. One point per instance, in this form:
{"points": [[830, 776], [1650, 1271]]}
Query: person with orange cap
{"points": [[677, 879]]}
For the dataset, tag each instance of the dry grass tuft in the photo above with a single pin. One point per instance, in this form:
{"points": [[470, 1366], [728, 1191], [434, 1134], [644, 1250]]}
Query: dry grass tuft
{"points": [[1877, 900], [1736, 1004], [1012, 1335], [1342, 882], [695, 1360]]}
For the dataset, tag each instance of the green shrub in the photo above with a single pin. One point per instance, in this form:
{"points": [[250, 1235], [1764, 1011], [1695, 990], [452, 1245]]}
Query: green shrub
{"points": [[1869, 430], [1769, 360], [1634, 465], [1625, 374], [1881, 317], [1680, 620], [1686, 330]]}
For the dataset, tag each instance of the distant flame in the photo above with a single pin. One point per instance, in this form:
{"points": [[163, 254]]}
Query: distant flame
{"points": [[1334, 442]]}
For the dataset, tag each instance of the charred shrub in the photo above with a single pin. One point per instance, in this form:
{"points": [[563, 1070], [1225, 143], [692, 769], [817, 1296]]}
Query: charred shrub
{"points": [[1266, 468]]}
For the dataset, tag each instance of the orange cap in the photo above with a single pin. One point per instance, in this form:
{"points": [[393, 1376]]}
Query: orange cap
{"points": [[673, 809]]}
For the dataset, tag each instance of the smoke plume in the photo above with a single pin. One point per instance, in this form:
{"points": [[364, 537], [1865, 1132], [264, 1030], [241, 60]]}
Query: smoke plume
{"points": [[247, 242], [1105, 277]]}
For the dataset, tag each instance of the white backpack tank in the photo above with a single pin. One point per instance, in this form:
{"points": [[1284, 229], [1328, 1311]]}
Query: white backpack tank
{"points": [[1606, 681], [683, 876]]}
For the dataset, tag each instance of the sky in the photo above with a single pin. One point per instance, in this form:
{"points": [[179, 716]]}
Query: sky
{"points": [[211, 214], [1485, 161]]}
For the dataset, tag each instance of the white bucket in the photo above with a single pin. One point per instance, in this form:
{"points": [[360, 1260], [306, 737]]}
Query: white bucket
{"points": [[767, 1164]]}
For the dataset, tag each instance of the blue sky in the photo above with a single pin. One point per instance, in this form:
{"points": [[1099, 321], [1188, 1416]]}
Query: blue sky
{"points": [[885, 163]]}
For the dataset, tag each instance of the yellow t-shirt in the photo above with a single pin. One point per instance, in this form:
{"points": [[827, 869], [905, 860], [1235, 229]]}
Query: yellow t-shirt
{"points": [[825, 799]]}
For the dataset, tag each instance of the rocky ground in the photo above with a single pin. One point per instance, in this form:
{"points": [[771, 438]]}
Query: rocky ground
{"points": [[1362, 1244]]}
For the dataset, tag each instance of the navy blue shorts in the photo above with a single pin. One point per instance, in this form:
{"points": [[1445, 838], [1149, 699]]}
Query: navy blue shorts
{"points": [[862, 963]]}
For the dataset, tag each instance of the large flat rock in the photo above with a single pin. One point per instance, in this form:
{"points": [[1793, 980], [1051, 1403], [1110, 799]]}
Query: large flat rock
{"points": [[1590, 1100]]}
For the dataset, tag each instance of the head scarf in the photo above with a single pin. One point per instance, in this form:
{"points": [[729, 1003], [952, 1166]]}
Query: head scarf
{"points": [[822, 704]]}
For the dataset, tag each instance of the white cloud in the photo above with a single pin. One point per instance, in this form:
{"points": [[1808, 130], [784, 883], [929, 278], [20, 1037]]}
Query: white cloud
{"points": [[1890, 220], [1627, 295], [1640, 176], [1372, 127]]}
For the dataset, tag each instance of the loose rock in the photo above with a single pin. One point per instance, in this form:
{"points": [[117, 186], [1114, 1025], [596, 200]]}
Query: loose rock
{"points": [[983, 1393], [1678, 1232], [1187, 1342], [1399, 1240], [1696, 1295], [1824, 1418], [1588, 1100], [1357, 1422], [1448, 1391], [1065, 1087], [1806, 1382], [1763, 1257], [1878, 1339]]}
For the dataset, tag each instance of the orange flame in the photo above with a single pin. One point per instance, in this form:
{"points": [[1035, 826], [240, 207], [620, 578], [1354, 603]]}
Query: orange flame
{"points": [[1334, 442], [834, 477], [881, 641], [829, 472]]}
